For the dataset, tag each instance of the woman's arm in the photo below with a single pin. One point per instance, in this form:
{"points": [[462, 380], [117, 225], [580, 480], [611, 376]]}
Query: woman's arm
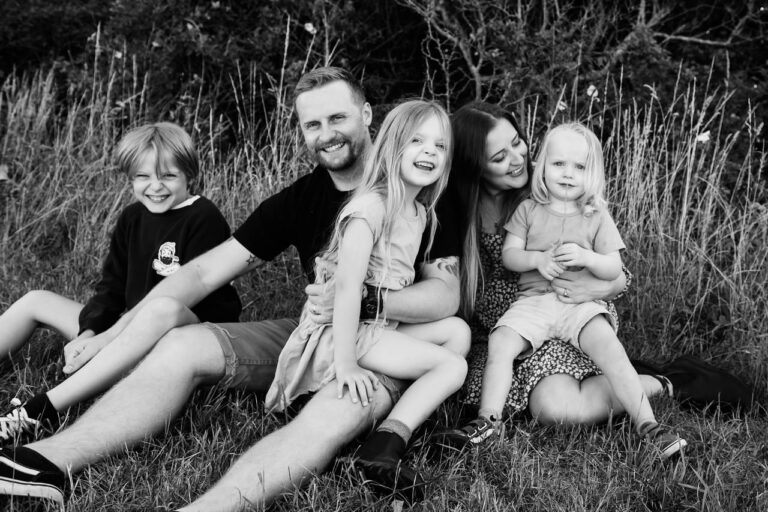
{"points": [[354, 253], [575, 287]]}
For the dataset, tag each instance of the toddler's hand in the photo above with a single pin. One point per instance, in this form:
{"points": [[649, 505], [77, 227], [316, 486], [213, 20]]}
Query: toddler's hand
{"points": [[547, 266], [360, 382], [572, 255]]}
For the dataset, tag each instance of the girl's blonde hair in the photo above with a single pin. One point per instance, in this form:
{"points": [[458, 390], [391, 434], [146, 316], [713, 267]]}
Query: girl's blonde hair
{"points": [[593, 198], [169, 141], [382, 171]]}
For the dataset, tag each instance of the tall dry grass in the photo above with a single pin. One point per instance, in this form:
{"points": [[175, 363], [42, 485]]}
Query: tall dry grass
{"points": [[692, 212]]}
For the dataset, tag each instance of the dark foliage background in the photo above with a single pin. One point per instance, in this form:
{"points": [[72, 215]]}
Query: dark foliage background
{"points": [[516, 52]]}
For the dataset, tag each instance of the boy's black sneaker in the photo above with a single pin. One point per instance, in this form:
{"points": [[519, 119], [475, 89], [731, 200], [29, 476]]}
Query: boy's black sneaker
{"points": [[29, 421], [24, 472]]}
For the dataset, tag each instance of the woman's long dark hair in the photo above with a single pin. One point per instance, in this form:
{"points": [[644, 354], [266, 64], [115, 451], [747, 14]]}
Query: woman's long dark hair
{"points": [[471, 125]]}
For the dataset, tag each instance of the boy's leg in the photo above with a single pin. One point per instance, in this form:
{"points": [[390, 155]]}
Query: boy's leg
{"points": [[153, 321], [284, 459], [452, 333], [37, 307], [598, 340]]}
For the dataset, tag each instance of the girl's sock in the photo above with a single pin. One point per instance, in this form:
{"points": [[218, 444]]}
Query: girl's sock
{"points": [[396, 427], [40, 408]]}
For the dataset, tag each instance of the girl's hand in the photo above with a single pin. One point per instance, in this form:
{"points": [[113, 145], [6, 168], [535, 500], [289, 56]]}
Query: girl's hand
{"points": [[82, 349], [573, 255], [360, 382], [547, 266]]}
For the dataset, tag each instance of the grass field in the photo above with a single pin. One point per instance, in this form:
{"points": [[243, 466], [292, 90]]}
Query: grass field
{"points": [[691, 202]]}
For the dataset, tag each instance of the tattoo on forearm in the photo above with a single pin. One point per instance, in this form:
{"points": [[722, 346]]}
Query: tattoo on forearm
{"points": [[251, 260], [449, 264]]}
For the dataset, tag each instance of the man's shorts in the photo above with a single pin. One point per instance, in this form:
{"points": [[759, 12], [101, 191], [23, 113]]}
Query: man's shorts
{"points": [[543, 317], [251, 350]]}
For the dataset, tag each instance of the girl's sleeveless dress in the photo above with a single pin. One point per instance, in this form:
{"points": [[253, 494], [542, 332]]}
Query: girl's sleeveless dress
{"points": [[306, 362], [554, 357]]}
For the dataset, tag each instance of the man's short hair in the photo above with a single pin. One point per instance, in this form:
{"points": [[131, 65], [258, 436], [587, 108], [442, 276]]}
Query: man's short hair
{"points": [[319, 77]]}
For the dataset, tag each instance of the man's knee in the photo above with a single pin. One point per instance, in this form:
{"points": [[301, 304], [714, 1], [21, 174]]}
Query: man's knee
{"points": [[338, 418], [192, 348]]}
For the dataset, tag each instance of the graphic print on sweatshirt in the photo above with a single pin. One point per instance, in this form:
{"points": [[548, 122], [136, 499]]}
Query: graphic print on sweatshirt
{"points": [[166, 262]]}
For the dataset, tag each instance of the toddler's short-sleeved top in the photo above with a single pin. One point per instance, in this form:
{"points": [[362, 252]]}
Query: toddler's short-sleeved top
{"points": [[541, 227]]}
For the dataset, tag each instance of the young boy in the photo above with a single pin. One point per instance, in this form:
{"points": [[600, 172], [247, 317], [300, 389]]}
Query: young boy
{"points": [[166, 227]]}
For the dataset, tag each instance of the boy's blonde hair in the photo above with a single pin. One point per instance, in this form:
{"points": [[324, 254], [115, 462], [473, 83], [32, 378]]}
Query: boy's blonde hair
{"points": [[593, 198], [382, 172], [168, 141]]}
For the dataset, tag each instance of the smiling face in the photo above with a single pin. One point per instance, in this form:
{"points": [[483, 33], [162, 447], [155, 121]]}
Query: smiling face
{"points": [[506, 154], [335, 125], [158, 188], [564, 166], [424, 156]]}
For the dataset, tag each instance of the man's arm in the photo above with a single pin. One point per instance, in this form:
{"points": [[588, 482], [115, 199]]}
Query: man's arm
{"points": [[436, 295], [189, 285]]}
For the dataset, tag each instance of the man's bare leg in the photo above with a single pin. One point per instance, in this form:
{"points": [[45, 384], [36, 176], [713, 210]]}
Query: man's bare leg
{"points": [[134, 409], [285, 458]]}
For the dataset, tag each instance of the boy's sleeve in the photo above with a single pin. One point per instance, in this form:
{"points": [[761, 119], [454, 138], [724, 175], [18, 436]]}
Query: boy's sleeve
{"points": [[607, 238], [108, 302]]}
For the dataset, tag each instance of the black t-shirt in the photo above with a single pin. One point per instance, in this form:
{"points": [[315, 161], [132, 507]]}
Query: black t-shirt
{"points": [[303, 215]]}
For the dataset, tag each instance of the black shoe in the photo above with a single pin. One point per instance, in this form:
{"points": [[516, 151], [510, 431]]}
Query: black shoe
{"points": [[24, 472], [699, 384], [380, 459]]}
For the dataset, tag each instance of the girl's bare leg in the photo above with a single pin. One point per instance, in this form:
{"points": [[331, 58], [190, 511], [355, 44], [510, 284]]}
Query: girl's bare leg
{"points": [[437, 374], [600, 343], [504, 346], [451, 333]]}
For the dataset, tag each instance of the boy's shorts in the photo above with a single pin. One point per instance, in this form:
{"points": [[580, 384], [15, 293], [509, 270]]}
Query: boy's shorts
{"points": [[544, 317], [251, 350]]}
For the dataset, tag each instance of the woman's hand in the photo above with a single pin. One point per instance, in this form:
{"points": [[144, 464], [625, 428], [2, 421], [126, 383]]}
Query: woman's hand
{"points": [[547, 266], [575, 287], [82, 349], [360, 382]]}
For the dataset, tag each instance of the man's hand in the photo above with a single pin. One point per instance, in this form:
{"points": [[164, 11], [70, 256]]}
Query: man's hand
{"points": [[547, 266], [360, 382], [82, 349], [573, 255], [320, 295]]}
